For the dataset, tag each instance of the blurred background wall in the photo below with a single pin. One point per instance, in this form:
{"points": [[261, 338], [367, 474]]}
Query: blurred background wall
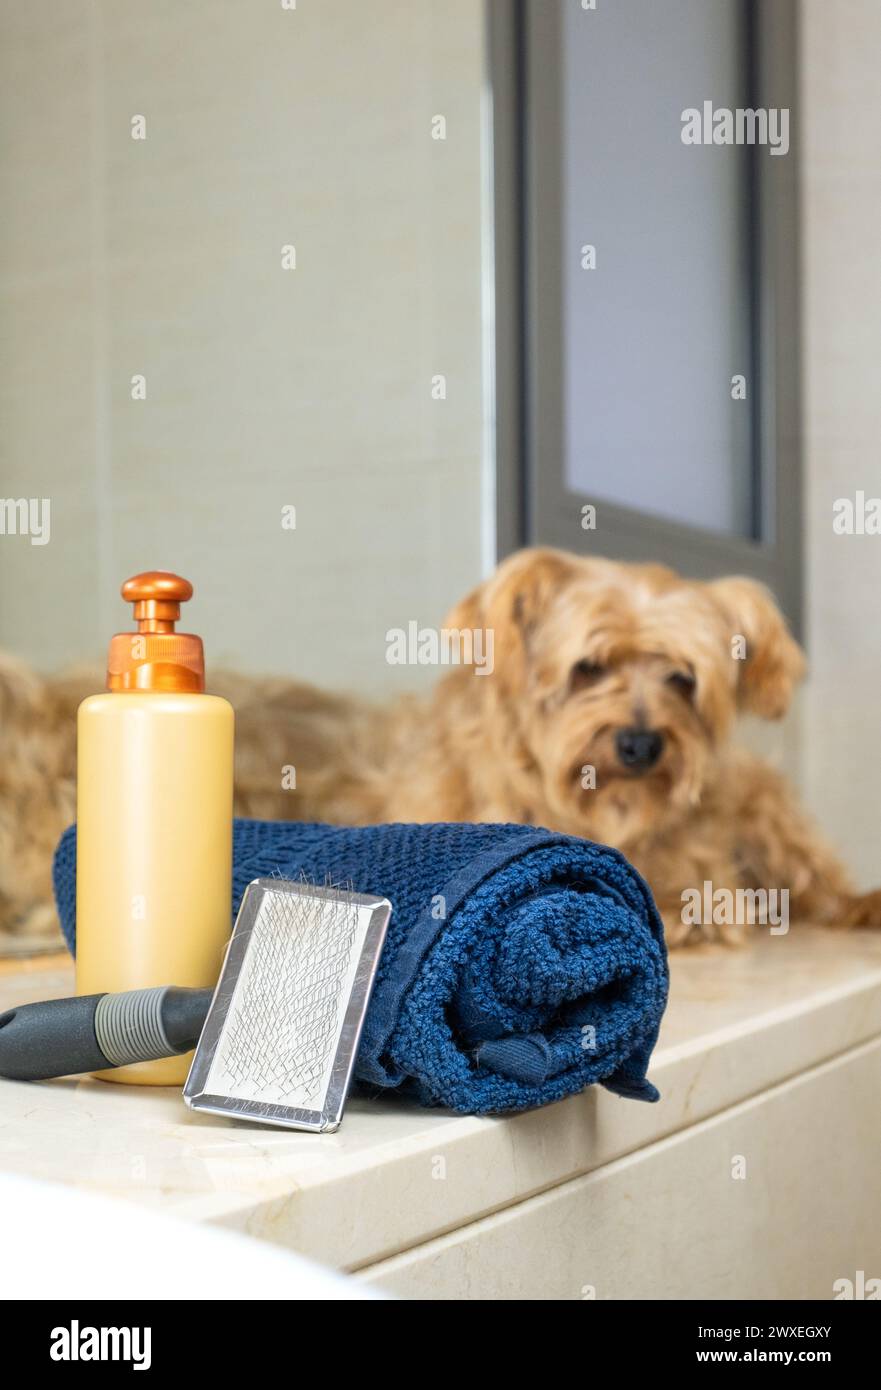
{"points": [[830, 745], [312, 387], [265, 387], [839, 742]]}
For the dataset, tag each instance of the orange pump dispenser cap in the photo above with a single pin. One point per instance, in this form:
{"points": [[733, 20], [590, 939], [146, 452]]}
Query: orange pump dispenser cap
{"points": [[156, 657]]}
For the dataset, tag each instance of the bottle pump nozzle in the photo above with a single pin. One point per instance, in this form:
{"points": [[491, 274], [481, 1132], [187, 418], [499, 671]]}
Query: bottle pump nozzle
{"points": [[156, 657]]}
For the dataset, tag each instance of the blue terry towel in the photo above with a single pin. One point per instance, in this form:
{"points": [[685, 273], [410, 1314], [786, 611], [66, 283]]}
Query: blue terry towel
{"points": [[520, 965]]}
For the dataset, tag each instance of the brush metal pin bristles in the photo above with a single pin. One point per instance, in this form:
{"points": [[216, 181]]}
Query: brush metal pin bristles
{"points": [[282, 1033]]}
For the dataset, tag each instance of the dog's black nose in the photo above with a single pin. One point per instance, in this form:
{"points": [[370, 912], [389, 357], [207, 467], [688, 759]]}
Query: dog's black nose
{"points": [[639, 748]]}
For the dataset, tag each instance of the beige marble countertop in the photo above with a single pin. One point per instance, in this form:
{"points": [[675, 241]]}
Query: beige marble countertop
{"points": [[739, 1022]]}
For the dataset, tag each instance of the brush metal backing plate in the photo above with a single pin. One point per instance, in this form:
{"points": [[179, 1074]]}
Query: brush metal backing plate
{"points": [[282, 1033]]}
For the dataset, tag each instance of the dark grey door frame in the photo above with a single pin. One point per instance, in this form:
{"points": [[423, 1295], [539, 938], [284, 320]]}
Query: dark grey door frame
{"points": [[532, 506]]}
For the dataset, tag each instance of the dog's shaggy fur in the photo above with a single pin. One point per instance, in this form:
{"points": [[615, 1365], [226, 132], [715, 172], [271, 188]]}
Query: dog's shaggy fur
{"points": [[586, 652]]}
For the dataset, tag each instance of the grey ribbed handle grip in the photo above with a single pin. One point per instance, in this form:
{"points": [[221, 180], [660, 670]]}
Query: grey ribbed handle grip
{"points": [[61, 1037], [128, 1027]]}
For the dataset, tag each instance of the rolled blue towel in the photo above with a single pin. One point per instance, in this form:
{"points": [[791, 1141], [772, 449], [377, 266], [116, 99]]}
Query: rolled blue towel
{"points": [[520, 965]]}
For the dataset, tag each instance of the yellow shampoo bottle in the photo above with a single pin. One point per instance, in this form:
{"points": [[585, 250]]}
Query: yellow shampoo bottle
{"points": [[154, 816]]}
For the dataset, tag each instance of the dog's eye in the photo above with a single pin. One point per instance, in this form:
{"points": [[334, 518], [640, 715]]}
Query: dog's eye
{"points": [[683, 682], [584, 674]]}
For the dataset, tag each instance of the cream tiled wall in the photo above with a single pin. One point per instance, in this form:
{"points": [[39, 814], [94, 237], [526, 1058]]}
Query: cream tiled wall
{"points": [[830, 744], [312, 387], [266, 126], [840, 734]]}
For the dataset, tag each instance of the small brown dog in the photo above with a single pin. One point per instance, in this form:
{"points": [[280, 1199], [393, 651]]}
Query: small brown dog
{"points": [[606, 714]]}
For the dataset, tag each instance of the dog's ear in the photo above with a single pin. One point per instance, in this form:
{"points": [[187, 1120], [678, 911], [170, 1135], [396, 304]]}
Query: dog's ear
{"points": [[771, 661], [512, 602]]}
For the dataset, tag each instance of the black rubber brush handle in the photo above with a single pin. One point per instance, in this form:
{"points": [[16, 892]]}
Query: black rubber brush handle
{"points": [[94, 1032]]}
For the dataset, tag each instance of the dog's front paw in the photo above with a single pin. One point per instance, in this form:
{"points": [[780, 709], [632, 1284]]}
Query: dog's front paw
{"points": [[678, 934], [863, 910]]}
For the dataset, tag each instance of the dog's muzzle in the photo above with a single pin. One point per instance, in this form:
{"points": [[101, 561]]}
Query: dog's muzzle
{"points": [[638, 749]]}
